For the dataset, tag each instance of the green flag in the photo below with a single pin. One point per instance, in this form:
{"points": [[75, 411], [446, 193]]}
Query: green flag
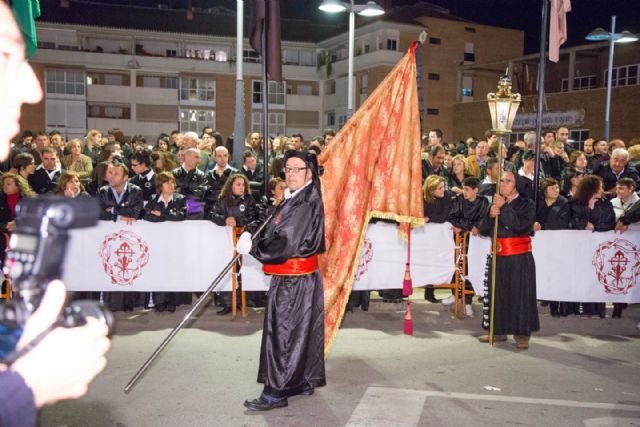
{"points": [[26, 12]]}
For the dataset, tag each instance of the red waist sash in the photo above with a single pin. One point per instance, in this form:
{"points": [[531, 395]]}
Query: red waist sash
{"points": [[513, 245], [292, 267]]}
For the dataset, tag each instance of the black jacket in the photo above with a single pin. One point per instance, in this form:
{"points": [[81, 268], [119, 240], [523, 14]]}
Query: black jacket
{"points": [[427, 169], [632, 215], [554, 217], [440, 210], [601, 216], [175, 210], [192, 184], [148, 186], [610, 179], [215, 183], [466, 214], [243, 208], [130, 205], [41, 183]]}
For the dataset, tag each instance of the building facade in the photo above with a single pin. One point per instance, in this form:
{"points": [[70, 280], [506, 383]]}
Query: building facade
{"points": [[154, 70], [575, 93]]}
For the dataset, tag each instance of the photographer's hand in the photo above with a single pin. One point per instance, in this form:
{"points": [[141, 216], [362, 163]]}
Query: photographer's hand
{"points": [[63, 364]]}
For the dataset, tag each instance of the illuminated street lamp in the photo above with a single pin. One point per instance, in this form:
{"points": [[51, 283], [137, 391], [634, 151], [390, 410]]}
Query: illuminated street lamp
{"points": [[369, 10], [503, 106], [612, 37]]}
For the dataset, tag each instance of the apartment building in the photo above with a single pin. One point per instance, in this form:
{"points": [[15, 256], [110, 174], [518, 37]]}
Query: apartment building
{"points": [[152, 70], [575, 92]]}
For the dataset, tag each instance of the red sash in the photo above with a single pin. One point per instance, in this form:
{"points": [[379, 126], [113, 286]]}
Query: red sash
{"points": [[292, 267], [513, 245]]}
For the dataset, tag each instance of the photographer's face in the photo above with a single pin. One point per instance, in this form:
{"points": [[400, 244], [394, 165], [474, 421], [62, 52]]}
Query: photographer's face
{"points": [[18, 83]]}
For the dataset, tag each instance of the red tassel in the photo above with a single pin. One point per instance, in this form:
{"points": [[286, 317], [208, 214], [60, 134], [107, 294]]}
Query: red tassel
{"points": [[408, 321], [407, 283]]}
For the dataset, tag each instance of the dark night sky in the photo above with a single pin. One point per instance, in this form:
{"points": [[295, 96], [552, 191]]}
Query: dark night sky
{"points": [[522, 14]]}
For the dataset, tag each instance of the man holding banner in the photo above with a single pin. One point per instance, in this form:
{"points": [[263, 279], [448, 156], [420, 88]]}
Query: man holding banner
{"points": [[292, 352], [515, 309]]}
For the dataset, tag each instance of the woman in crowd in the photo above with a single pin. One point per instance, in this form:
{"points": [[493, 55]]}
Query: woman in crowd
{"points": [[276, 188], [78, 162], [437, 209], [570, 183], [162, 143], [280, 145], [14, 188], [92, 145], [553, 213], [163, 161], [25, 165], [99, 178], [590, 211], [69, 185], [167, 205], [457, 174], [577, 163], [235, 208]]}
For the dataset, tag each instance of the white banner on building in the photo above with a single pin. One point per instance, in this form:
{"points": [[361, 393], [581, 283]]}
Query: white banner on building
{"points": [[550, 120], [384, 256], [575, 265]]}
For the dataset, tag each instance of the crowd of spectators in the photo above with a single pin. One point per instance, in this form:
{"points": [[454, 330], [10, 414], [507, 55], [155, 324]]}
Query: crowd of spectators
{"points": [[188, 176]]}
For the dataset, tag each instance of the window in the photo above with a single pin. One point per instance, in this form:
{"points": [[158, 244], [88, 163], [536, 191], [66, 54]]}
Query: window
{"points": [[276, 123], [469, 57], [197, 90], [392, 44], [342, 119], [330, 119], [161, 82], [109, 111], [276, 92], [46, 45], [330, 87], [626, 75], [434, 40], [367, 48], [65, 82], [516, 136], [580, 83], [171, 53], [196, 120], [250, 55], [364, 84], [470, 29], [433, 111], [467, 86], [578, 135], [466, 91], [433, 76], [469, 52]]}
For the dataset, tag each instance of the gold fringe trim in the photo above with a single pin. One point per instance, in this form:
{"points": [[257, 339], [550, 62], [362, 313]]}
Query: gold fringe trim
{"points": [[414, 221]]}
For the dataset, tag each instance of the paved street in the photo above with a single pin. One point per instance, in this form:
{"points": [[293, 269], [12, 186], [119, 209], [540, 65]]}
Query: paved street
{"points": [[577, 372]]}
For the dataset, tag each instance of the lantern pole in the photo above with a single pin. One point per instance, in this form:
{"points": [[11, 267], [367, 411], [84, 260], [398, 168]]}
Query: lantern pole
{"points": [[503, 106]]}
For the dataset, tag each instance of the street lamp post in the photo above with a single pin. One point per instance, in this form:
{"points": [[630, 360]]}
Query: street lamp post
{"points": [[370, 9], [600, 34], [503, 106]]}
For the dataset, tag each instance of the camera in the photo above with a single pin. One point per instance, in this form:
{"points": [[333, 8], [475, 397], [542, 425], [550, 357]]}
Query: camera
{"points": [[35, 257]]}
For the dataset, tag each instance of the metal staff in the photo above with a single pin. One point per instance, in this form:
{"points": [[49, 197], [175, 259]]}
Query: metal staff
{"points": [[197, 305]]}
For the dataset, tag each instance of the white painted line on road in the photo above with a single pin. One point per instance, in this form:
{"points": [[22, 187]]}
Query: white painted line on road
{"points": [[373, 408], [388, 407]]}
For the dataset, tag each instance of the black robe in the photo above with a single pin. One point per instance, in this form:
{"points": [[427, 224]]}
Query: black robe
{"points": [[292, 352], [554, 217], [515, 310]]}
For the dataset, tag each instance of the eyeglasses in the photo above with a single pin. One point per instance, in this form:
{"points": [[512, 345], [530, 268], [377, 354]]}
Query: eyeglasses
{"points": [[293, 170]]}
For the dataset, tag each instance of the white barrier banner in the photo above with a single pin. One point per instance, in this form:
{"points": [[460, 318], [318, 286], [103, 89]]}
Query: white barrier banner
{"points": [[384, 256], [575, 265], [171, 256], [188, 255]]}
